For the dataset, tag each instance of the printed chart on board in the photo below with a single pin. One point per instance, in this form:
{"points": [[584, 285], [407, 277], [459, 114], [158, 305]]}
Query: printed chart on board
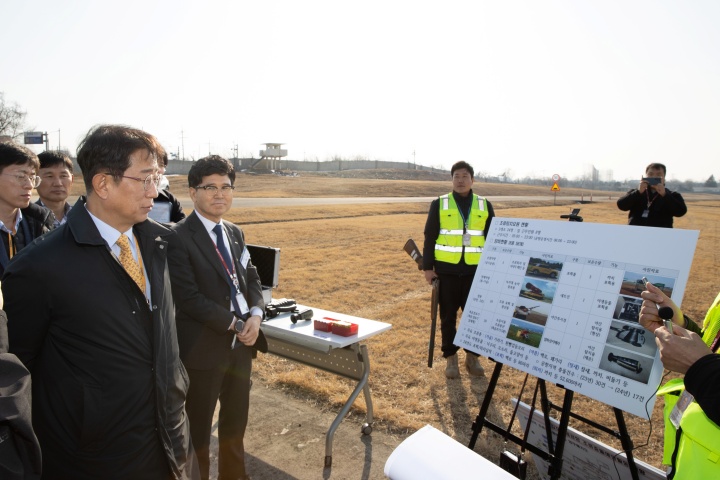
{"points": [[561, 301]]}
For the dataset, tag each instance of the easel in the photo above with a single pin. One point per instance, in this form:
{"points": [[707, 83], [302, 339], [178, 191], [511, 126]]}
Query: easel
{"points": [[554, 455]]}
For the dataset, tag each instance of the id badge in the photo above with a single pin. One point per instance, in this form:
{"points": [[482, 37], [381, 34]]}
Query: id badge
{"points": [[242, 303], [466, 239], [645, 213], [680, 407]]}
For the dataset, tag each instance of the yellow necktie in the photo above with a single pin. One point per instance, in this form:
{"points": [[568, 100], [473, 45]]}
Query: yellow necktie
{"points": [[128, 262]]}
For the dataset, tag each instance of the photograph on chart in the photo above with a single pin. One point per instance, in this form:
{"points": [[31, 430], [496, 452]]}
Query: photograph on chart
{"points": [[633, 337], [532, 311], [537, 289], [626, 363], [524, 332], [628, 309], [633, 284], [539, 268]]}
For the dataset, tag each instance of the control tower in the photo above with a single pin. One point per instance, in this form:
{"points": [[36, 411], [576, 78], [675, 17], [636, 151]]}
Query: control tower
{"points": [[272, 153]]}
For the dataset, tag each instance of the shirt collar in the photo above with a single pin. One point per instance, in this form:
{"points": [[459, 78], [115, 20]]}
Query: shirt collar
{"points": [[108, 233], [18, 219], [208, 224]]}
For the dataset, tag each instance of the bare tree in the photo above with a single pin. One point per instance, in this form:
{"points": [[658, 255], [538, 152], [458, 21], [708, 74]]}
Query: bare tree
{"points": [[12, 118]]}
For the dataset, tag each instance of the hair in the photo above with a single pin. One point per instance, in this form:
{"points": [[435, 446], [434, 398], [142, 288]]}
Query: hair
{"points": [[657, 166], [13, 154], [107, 149], [49, 158], [460, 165], [162, 156], [211, 165]]}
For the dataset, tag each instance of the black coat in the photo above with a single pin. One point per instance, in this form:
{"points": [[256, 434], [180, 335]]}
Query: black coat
{"points": [[36, 221], [202, 292], [20, 457], [108, 385], [660, 212]]}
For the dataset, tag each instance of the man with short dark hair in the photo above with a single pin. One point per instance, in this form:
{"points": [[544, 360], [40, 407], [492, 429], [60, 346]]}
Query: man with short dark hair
{"points": [[56, 178], [455, 232], [219, 305], [91, 316], [20, 220], [651, 204]]}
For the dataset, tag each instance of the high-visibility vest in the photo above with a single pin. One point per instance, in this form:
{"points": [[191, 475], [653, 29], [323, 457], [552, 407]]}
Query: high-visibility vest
{"points": [[449, 244], [693, 450]]}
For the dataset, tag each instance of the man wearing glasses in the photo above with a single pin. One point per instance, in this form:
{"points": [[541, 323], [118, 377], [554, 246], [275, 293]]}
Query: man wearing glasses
{"points": [[91, 316], [219, 307], [21, 222]]}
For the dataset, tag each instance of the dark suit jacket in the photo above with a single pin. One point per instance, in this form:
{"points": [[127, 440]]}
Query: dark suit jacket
{"points": [[108, 385], [37, 220], [202, 292]]}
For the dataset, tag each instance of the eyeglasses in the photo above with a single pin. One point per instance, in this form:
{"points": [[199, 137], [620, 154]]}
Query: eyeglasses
{"points": [[151, 179], [23, 178], [213, 189]]}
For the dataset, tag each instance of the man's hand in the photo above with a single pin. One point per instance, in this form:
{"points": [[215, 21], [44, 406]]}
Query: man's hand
{"points": [[653, 298], [430, 275], [660, 189], [250, 331], [643, 186], [681, 349]]}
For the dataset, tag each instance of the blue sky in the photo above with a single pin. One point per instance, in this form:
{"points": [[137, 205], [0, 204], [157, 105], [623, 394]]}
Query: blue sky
{"points": [[527, 87]]}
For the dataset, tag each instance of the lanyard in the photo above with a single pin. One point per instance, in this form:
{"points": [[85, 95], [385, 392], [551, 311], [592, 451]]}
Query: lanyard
{"points": [[231, 274], [465, 221], [12, 249], [649, 202]]}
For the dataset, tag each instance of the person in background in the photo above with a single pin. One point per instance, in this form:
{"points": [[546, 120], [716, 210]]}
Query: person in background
{"points": [[692, 404], [91, 316], [219, 306], [56, 178], [455, 231], [166, 209], [21, 221], [651, 204]]}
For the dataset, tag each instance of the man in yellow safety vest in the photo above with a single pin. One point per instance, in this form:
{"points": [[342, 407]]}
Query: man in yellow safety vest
{"points": [[455, 233]]}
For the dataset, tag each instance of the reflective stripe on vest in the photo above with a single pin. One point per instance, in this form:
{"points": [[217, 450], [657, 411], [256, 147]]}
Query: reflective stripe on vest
{"points": [[448, 246]]}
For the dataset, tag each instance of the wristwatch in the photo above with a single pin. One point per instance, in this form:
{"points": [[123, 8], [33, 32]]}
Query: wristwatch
{"points": [[238, 325]]}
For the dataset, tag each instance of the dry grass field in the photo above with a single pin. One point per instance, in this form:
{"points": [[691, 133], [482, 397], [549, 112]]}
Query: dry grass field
{"points": [[350, 259]]}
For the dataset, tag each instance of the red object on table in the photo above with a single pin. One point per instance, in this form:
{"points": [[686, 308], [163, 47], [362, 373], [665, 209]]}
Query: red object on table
{"points": [[344, 328]]}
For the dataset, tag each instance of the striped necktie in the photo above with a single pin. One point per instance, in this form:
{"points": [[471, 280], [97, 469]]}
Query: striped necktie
{"points": [[129, 264]]}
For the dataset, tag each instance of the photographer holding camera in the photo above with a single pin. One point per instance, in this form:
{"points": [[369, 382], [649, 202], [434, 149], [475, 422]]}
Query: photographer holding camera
{"points": [[651, 204]]}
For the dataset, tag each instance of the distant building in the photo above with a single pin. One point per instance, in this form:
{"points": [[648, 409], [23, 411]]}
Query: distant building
{"points": [[273, 152]]}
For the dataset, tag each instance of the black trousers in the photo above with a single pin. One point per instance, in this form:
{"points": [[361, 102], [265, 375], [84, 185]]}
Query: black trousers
{"points": [[229, 383], [454, 290]]}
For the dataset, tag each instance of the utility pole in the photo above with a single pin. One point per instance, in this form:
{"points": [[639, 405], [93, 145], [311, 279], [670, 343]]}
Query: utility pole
{"points": [[182, 142]]}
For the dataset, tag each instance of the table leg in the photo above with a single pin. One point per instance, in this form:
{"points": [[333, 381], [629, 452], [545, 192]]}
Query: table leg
{"points": [[362, 385]]}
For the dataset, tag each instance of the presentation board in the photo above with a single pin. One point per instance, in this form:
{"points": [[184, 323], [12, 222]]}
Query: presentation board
{"points": [[584, 458], [561, 301]]}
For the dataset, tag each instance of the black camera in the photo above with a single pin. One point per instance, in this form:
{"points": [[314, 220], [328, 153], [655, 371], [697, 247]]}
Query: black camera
{"points": [[305, 314], [652, 180]]}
